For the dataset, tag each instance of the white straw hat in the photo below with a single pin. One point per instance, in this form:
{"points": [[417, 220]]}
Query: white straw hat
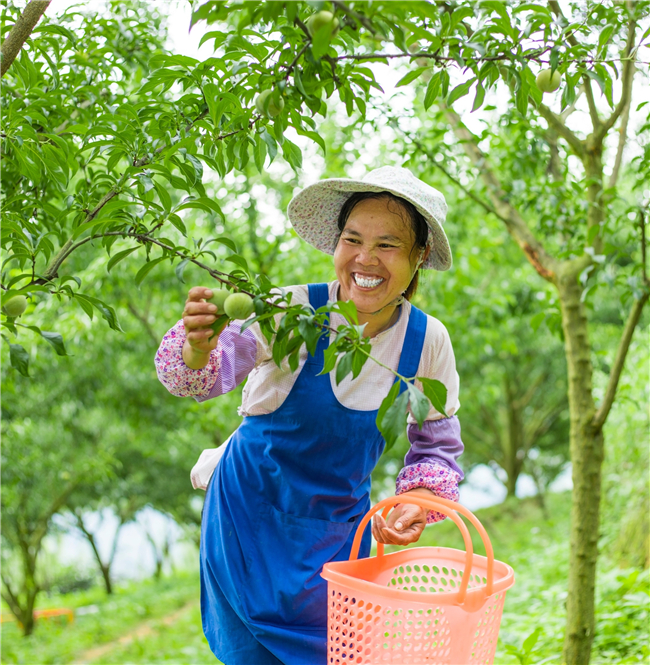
{"points": [[314, 212]]}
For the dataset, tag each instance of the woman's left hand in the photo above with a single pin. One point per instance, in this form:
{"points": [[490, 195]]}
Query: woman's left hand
{"points": [[405, 522]]}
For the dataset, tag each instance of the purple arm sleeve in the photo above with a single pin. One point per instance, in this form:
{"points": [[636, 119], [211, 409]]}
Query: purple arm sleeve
{"points": [[431, 461], [238, 352], [437, 441], [228, 366]]}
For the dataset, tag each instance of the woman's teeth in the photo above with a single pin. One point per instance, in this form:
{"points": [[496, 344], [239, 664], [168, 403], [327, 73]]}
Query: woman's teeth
{"points": [[367, 282]]}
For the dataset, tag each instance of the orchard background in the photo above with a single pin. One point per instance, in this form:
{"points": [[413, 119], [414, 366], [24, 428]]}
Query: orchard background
{"points": [[131, 171]]}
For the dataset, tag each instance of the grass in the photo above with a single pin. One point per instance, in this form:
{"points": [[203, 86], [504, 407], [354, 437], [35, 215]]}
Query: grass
{"points": [[537, 549], [110, 617]]}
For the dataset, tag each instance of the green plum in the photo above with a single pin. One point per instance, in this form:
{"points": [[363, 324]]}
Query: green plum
{"points": [[546, 82], [15, 306], [239, 306], [273, 109]]}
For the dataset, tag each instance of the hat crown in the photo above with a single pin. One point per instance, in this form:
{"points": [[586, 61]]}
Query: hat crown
{"points": [[314, 211], [402, 182]]}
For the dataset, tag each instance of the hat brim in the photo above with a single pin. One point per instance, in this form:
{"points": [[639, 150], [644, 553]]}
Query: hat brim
{"points": [[314, 214]]}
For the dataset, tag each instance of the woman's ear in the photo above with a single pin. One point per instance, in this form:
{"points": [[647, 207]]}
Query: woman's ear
{"points": [[425, 255]]}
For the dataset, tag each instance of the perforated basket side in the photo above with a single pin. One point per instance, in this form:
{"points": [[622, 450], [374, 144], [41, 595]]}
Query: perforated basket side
{"points": [[378, 630]]}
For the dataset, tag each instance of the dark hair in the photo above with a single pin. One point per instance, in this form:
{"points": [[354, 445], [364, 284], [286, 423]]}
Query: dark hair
{"points": [[419, 225]]}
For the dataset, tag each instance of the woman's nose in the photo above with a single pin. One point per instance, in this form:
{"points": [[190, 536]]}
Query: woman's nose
{"points": [[367, 256]]}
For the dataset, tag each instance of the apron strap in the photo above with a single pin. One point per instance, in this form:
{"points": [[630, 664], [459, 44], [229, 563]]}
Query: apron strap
{"points": [[318, 297], [413, 344]]}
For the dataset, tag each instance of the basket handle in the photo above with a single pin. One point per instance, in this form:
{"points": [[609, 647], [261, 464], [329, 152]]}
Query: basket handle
{"points": [[449, 508]]}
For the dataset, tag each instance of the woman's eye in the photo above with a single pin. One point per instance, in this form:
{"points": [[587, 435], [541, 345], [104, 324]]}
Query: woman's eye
{"points": [[387, 246]]}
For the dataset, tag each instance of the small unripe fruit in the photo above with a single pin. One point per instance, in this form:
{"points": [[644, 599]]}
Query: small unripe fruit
{"points": [[323, 19], [219, 297], [239, 306], [546, 82], [15, 306], [273, 109]]}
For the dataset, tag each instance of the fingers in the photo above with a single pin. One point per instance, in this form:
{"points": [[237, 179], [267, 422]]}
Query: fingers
{"points": [[198, 316], [404, 526], [197, 293]]}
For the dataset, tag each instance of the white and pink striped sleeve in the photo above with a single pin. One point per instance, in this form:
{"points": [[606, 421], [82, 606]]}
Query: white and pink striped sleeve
{"points": [[229, 364]]}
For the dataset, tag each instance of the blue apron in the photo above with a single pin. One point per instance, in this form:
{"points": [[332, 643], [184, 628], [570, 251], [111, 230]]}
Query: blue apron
{"points": [[285, 499]]}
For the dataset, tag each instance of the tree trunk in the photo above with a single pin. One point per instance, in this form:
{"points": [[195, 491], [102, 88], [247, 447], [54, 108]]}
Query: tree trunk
{"points": [[30, 588], [514, 443], [106, 574], [587, 458]]}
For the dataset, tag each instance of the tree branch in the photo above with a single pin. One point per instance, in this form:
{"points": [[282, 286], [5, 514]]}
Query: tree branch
{"points": [[145, 323], [629, 53], [11, 598], [593, 111], [363, 20], [555, 122], [543, 263], [20, 32], [619, 362], [622, 142], [570, 37], [41, 531]]}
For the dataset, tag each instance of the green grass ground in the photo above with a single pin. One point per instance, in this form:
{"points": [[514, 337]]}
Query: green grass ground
{"points": [[160, 623]]}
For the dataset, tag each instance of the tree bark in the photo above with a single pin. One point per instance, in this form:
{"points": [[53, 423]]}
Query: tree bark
{"points": [[20, 32], [587, 448]]}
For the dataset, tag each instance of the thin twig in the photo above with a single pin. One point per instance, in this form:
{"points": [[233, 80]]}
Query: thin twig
{"points": [[364, 20], [643, 245], [295, 60]]}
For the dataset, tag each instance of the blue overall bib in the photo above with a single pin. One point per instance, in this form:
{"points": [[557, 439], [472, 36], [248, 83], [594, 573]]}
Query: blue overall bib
{"points": [[285, 499]]}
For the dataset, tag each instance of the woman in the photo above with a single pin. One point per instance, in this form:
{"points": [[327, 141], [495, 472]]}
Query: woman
{"points": [[294, 480]]}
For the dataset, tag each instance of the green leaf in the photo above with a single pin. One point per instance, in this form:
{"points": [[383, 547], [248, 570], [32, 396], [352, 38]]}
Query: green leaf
{"points": [[358, 361], [320, 42], [349, 310], [240, 261], [56, 340], [330, 355], [344, 367], [480, 96], [460, 91], [179, 270], [531, 640], [146, 269], [292, 154], [259, 153], [522, 97], [387, 402], [419, 404], [537, 320], [225, 241], [436, 392], [19, 358], [432, 91], [393, 423], [163, 195], [411, 76], [271, 144], [116, 258], [310, 333]]}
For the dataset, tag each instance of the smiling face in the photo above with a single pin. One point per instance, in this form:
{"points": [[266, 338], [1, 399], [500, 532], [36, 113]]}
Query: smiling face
{"points": [[374, 258]]}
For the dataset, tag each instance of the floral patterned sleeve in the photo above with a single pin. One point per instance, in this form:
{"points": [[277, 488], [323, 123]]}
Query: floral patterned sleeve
{"points": [[175, 375], [431, 461], [230, 363]]}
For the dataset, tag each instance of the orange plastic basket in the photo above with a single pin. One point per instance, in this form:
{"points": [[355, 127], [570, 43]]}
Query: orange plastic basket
{"points": [[431, 605]]}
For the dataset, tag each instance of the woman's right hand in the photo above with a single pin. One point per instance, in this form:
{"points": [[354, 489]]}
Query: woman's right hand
{"points": [[198, 315]]}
